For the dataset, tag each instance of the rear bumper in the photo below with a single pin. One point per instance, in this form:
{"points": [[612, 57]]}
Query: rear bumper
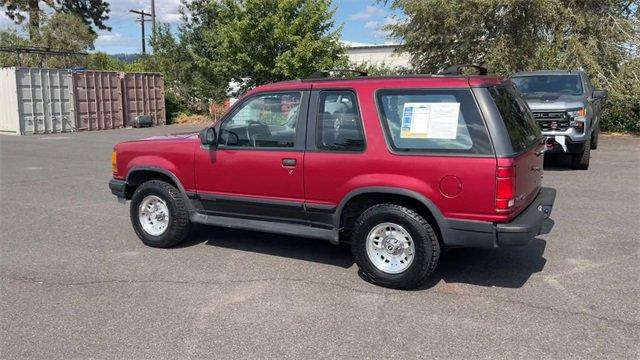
{"points": [[533, 221], [118, 188]]}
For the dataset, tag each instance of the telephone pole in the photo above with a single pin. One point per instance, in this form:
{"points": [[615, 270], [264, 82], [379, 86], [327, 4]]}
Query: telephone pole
{"points": [[142, 20], [153, 19]]}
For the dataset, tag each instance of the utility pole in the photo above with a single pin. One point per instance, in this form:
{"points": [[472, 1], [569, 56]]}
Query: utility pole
{"points": [[153, 19], [141, 20]]}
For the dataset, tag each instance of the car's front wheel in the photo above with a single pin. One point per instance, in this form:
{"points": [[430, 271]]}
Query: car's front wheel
{"points": [[594, 139], [159, 214], [394, 246], [581, 161]]}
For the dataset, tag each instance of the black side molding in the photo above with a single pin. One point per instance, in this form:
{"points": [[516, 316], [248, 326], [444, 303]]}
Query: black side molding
{"points": [[332, 235]]}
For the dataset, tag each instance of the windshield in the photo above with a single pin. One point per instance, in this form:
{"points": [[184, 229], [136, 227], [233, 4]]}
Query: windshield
{"points": [[531, 86]]}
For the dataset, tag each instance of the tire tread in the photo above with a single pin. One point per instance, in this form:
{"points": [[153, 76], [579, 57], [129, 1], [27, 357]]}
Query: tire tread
{"points": [[418, 275], [180, 224]]}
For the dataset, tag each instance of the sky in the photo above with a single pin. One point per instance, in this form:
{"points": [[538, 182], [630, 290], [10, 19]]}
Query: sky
{"points": [[362, 22]]}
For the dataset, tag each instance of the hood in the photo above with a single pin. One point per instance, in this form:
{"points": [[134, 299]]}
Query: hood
{"points": [[169, 137], [181, 136], [550, 101]]}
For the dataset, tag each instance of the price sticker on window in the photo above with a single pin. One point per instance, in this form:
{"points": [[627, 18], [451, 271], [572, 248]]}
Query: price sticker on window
{"points": [[430, 120]]}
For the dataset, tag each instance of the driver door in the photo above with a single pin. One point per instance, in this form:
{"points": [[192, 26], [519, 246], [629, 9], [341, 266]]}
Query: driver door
{"points": [[256, 170]]}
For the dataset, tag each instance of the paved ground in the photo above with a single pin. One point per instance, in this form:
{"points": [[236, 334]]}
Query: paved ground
{"points": [[77, 283]]}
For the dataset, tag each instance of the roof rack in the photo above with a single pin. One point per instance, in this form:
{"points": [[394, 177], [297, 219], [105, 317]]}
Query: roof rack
{"points": [[326, 73], [457, 69]]}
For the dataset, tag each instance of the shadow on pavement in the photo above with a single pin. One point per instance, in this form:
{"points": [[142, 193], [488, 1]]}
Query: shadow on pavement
{"points": [[271, 244], [502, 267], [557, 162]]}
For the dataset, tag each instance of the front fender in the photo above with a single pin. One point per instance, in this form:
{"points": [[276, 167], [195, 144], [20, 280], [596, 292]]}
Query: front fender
{"points": [[182, 174]]}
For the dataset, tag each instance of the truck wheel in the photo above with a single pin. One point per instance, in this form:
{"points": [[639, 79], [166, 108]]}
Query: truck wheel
{"points": [[594, 139], [159, 214], [581, 161], [394, 246]]}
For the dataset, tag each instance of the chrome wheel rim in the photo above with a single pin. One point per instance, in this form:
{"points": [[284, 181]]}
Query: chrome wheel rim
{"points": [[153, 215], [390, 248]]}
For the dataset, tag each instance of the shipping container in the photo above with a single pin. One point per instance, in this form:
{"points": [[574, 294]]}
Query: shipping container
{"points": [[143, 94], [98, 100], [36, 101]]}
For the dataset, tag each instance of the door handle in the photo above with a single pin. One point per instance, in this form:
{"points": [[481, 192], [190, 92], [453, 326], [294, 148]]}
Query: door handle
{"points": [[288, 162]]}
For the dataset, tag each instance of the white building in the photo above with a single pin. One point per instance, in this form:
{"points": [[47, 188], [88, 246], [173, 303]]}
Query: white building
{"points": [[384, 54]]}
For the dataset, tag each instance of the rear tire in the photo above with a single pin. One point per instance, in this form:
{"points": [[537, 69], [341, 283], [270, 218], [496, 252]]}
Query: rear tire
{"points": [[375, 233], [581, 161], [176, 225]]}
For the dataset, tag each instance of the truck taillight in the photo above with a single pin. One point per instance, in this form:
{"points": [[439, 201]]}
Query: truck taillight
{"points": [[505, 187], [114, 162]]}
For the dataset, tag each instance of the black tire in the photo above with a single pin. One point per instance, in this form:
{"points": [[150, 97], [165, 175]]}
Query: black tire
{"points": [[179, 224], [427, 248], [594, 139], [581, 161]]}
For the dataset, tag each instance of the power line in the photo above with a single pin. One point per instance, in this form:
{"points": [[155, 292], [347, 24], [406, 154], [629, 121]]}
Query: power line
{"points": [[40, 51]]}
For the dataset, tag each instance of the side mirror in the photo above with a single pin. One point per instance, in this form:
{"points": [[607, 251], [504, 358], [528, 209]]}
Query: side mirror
{"points": [[599, 94], [208, 137]]}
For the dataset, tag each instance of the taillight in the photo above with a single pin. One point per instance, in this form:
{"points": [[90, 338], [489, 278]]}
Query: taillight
{"points": [[505, 187]]}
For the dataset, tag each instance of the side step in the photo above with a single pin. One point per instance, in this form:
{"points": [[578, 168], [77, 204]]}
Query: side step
{"points": [[332, 235]]}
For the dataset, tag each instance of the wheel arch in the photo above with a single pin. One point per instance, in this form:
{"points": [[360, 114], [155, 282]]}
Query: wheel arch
{"points": [[141, 174], [406, 197]]}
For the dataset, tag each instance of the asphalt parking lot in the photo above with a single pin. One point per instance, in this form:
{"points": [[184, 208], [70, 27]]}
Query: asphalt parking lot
{"points": [[77, 282]]}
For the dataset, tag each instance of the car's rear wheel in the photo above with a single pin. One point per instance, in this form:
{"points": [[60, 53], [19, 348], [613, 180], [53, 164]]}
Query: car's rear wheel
{"points": [[581, 161], [394, 246], [159, 214]]}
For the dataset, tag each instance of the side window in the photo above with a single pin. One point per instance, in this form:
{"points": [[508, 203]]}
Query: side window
{"points": [[264, 121], [433, 120], [521, 126], [339, 122]]}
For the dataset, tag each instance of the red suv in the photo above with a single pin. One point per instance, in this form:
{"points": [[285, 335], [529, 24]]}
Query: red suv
{"points": [[399, 167]]}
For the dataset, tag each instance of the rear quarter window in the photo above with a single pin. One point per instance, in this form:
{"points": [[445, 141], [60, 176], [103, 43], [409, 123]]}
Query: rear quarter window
{"points": [[522, 128], [442, 121]]}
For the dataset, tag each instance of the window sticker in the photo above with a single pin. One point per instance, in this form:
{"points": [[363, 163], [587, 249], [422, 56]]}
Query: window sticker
{"points": [[430, 120]]}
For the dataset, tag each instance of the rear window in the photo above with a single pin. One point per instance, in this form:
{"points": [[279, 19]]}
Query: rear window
{"points": [[433, 120], [521, 126]]}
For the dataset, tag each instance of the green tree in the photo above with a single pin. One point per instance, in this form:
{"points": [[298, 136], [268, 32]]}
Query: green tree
{"points": [[507, 36], [9, 39], [60, 31], [102, 61], [380, 69], [255, 42], [90, 11]]}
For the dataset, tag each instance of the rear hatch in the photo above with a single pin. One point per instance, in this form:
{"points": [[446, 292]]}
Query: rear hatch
{"points": [[526, 161]]}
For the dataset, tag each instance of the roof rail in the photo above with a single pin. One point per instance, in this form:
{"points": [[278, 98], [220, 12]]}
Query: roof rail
{"points": [[326, 73], [457, 69]]}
